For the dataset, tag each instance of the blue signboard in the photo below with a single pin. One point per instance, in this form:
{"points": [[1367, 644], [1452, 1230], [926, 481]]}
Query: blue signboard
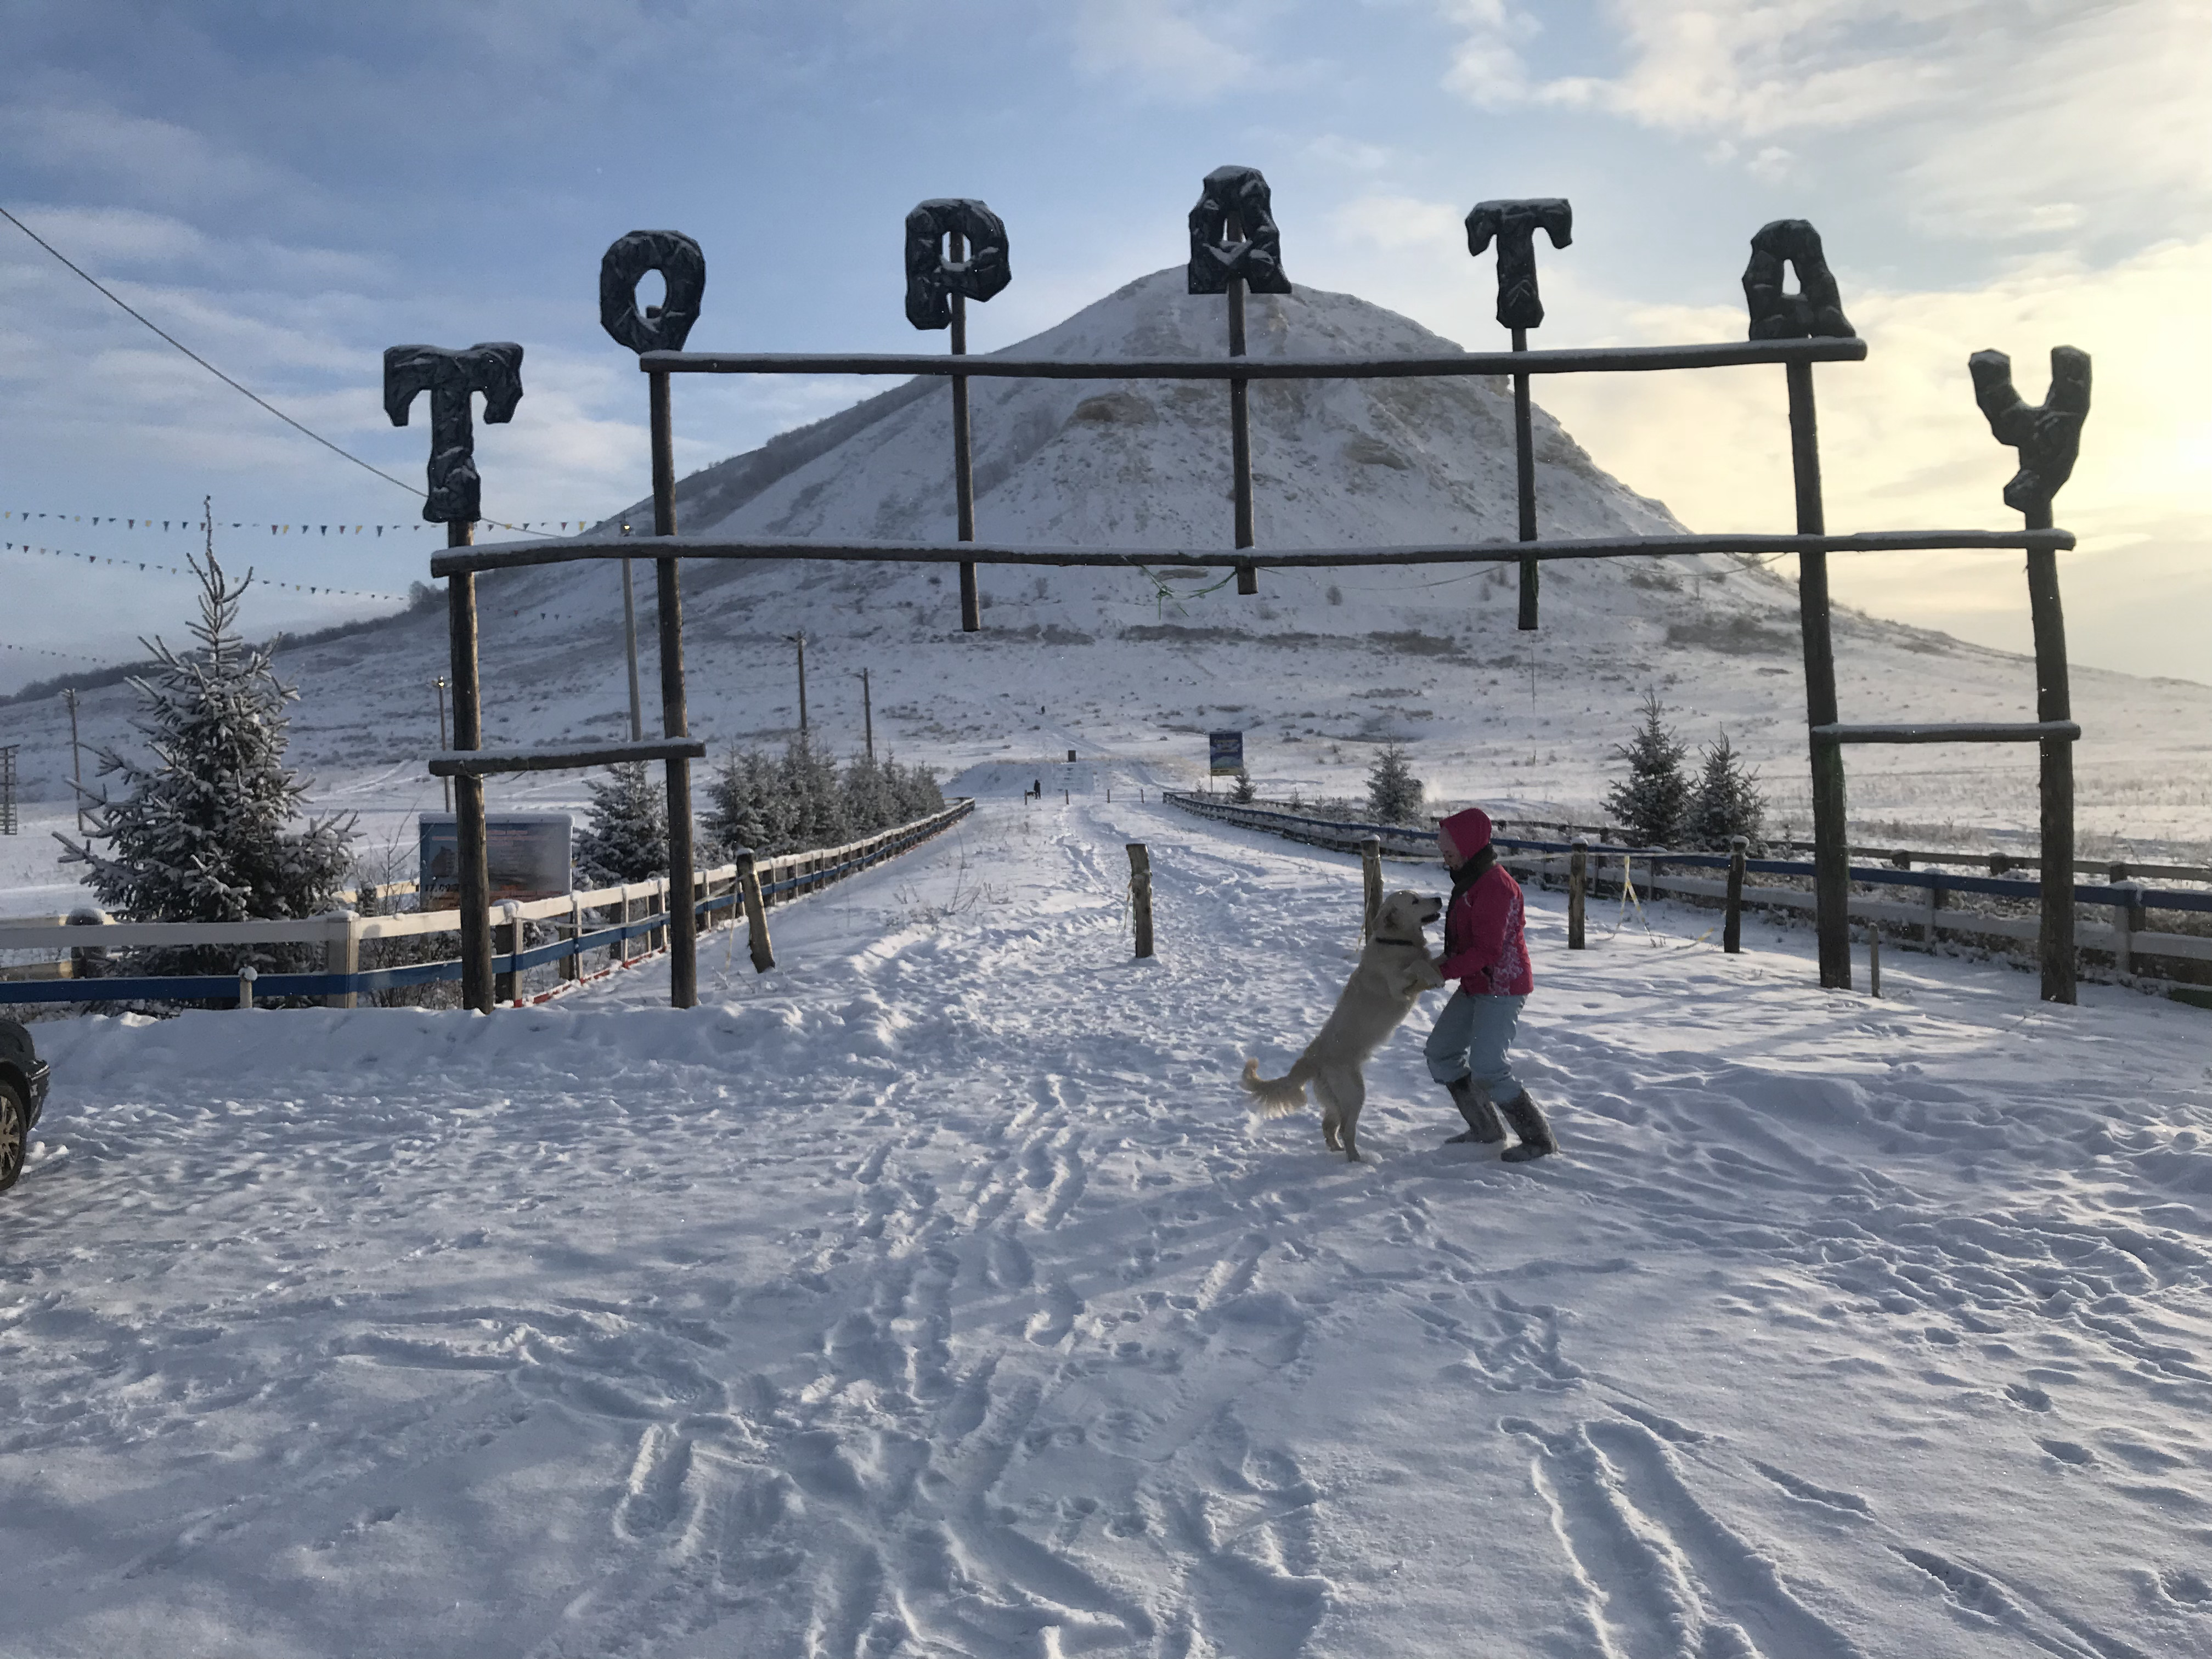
{"points": [[1224, 753], [527, 853]]}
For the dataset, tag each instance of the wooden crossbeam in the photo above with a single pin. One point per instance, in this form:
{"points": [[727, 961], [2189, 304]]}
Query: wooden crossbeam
{"points": [[507, 556], [1580, 360], [1954, 731], [480, 762]]}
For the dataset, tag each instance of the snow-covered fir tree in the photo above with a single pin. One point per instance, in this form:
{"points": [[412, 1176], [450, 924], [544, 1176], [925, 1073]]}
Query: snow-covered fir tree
{"points": [[914, 791], [868, 803], [801, 801], [1394, 793], [626, 836], [1649, 803], [816, 795], [745, 807], [1726, 802], [1242, 791], [209, 828]]}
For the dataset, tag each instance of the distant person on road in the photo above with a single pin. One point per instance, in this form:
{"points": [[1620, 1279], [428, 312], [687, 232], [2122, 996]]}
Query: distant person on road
{"points": [[1484, 952]]}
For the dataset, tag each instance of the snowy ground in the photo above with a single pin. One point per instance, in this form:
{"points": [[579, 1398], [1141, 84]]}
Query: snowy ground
{"points": [[934, 1295]]}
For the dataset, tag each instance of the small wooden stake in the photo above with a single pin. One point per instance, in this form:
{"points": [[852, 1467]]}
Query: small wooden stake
{"points": [[1140, 895], [756, 912], [510, 942], [1732, 929], [1874, 958], [342, 955], [1370, 870], [1577, 888]]}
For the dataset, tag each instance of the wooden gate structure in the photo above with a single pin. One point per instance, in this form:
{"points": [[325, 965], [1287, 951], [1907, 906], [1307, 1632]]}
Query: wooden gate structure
{"points": [[956, 250]]}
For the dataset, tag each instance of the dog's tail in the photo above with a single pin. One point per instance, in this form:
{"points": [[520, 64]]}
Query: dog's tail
{"points": [[1274, 1097]]}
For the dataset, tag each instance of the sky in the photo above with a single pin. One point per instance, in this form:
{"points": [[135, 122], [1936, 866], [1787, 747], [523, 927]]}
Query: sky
{"points": [[289, 188]]}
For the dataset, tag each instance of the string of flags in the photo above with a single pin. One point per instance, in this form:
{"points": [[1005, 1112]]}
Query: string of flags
{"points": [[180, 570], [535, 527], [40, 651]]}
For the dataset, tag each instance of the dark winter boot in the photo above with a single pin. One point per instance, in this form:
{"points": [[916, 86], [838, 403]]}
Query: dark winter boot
{"points": [[1528, 1123], [1473, 1103]]}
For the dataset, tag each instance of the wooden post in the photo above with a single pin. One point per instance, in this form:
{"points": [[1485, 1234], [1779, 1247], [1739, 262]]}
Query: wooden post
{"points": [[2127, 921], [439, 683], [756, 912], [629, 651], [675, 716], [867, 717], [1371, 871], [1732, 928], [510, 942], [1524, 477], [469, 792], [1577, 886], [342, 955], [1832, 875], [245, 977], [2053, 701], [1928, 915], [1140, 895], [658, 939], [572, 965], [1240, 421], [1874, 958], [964, 452]]}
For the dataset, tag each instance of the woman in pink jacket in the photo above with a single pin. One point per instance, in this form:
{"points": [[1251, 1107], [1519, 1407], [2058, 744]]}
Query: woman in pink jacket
{"points": [[1484, 952]]}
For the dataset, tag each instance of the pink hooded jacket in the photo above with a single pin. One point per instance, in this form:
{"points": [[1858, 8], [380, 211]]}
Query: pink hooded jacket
{"points": [[1483, 947]]}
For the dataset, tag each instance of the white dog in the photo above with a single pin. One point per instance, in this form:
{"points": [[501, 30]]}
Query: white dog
{"points": [[1395, 968]]}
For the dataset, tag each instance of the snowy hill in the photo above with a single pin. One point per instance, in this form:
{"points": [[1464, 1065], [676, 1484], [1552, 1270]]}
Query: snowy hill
{"points": [[933, 1294], [1315, 669]]}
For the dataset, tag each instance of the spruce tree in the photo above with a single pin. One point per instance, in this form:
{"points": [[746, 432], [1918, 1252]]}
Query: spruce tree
{"points": [[1649, 803], [915, 790], [745, 806], [1727, 802], [205, 829], [868, 803], [626, 838], [1394, 793], [816, 799], [1243, 794]]}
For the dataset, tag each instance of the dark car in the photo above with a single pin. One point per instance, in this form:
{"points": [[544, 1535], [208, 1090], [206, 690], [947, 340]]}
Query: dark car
{"points": [[22, 1095]]}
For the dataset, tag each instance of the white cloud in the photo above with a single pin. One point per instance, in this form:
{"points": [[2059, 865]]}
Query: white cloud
{"points": [[1486, 67], [1903, 445], [1996, 120], [1160, 44], [1349, 154], [1399, 222]]}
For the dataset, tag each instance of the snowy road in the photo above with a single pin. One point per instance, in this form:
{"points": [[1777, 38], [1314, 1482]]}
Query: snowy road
{"points": [[932, 1295]]}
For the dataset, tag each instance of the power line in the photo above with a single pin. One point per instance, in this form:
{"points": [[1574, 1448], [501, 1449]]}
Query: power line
{"points": [[203, 362]]}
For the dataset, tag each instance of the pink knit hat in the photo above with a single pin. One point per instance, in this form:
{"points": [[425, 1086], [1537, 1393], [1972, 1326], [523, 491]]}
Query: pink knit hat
{"points": [[1468, 832]]}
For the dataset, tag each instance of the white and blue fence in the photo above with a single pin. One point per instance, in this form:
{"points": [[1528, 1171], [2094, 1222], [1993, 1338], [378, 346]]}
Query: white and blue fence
{"points": [[2129, 904], [341, 934]]}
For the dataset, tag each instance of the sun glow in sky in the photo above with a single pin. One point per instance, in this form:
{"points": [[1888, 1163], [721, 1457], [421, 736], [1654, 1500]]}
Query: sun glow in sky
{"points": [[291, 188]]}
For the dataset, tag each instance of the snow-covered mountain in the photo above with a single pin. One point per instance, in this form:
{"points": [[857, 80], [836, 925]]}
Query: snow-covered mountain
{"points": [[1118, 664]]}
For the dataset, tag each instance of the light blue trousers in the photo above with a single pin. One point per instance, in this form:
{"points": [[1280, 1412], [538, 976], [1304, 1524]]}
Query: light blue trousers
{"points": [[1472, 1036]]}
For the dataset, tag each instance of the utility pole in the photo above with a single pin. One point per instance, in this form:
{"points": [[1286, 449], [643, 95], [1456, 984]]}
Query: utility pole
{"points": [[440, 683], [76, 757], [799, 640], [867, 716], [629, 646]]}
